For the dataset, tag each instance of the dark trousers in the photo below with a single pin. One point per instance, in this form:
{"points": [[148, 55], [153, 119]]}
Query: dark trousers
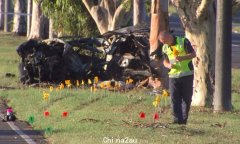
{"points": [[181, 90]]}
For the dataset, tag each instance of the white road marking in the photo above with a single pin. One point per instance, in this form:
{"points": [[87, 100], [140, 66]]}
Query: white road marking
{"points": [[235, 45], [18, 131]]}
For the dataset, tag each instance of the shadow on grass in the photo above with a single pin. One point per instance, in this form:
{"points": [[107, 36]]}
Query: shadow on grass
{"points": [[8, 88], [58, 99], [58, 131], [83, 105], [106, 121], [130, 106], [183, 130]]}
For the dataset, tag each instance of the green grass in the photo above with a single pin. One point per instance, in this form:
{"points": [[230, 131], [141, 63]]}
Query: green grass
{"points": [[9, 59], [236, 80], [93, 117], [236, 29]]}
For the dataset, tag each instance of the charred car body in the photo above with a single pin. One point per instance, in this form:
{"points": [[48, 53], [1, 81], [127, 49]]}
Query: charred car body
{"points": [[114, 55]]}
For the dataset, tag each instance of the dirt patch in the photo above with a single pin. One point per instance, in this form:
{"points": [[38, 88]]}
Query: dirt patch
{"points": [[83, 105], [7, 88]]}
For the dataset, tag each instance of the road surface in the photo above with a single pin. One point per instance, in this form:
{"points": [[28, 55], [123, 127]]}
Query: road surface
{"points": [[18, 132]]}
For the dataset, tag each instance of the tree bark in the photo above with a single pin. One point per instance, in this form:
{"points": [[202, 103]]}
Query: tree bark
{"points": [[235, 6], [108, 15], [222, 95], [19, 26], [6, 17], [29, 17], [121, 17], [38, 26], [52, 33], [139, 12], [159, 23], [1, 15], [199, 23]]}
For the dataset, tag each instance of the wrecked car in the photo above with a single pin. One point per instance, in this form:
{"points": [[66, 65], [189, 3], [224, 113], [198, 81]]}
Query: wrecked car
{"points": [[117, 55]]}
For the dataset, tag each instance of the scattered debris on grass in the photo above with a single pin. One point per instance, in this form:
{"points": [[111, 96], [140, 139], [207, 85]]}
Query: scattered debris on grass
{"points": [[145, 125], [220, 125]]}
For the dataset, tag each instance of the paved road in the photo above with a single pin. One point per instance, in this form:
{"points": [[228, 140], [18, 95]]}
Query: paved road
{"points": [[9, 136], [14, 132], [175, 25]]}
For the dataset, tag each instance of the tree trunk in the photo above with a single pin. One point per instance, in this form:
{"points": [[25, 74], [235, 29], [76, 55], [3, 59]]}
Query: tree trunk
{"points": [[1, 15], [164, 5], [223, 89], [235, 6], [52, 33], [139, 12], [29, 17], [159, 23], [6, 16], [199, 23], [38, 26], [19, 26], [108, 14]]}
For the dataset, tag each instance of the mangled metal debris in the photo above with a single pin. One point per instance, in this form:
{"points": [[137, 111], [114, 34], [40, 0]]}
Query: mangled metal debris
{"points": [[116, 55]]}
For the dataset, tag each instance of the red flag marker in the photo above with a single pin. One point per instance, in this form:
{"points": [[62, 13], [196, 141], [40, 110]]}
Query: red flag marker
{"points": [[46, 113], [142, 115], [156, 116], [65, 114]]}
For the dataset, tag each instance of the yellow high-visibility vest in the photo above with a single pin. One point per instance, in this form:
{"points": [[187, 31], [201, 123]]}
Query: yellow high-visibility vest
{"points": [[180, 69]]}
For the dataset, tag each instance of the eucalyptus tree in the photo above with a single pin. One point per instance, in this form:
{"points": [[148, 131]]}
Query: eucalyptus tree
{"points": [[19, 22], [159, 23], [110, 14], [7, 18], [69, 17], [198, 20], [236, 6], [39, 23], [1, 15], [29, 18], [139, 12]]}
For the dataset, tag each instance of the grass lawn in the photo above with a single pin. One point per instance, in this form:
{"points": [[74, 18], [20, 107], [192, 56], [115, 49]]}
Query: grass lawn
{"points": [[110, 117], [236, 28]]}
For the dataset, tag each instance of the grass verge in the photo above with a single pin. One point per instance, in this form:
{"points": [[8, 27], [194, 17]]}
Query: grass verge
{"points": [[102, 117]]}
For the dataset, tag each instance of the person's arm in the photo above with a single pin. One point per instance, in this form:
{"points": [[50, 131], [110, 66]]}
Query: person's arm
{"points": [[167, 63], [189, 50], [186, 57]]}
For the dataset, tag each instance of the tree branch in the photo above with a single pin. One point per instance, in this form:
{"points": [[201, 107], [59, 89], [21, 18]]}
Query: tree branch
{"points": [[88, 4], [236, 6], [121, 17], [202, 9], [98, 14], [109, 6]]}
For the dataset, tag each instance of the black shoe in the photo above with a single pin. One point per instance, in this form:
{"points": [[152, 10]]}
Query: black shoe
{"points": [[174, 122], [180, 123]]}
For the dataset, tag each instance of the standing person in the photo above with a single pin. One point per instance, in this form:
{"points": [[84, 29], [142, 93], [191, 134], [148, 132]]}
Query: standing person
{"points": [[177, 57]]}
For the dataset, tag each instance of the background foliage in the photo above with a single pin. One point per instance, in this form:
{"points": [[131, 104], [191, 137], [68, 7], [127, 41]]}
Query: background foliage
{"points": [[70, 17]]}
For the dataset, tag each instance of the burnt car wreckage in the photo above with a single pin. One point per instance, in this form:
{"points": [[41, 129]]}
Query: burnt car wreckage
{"points": [[117, 55]]}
